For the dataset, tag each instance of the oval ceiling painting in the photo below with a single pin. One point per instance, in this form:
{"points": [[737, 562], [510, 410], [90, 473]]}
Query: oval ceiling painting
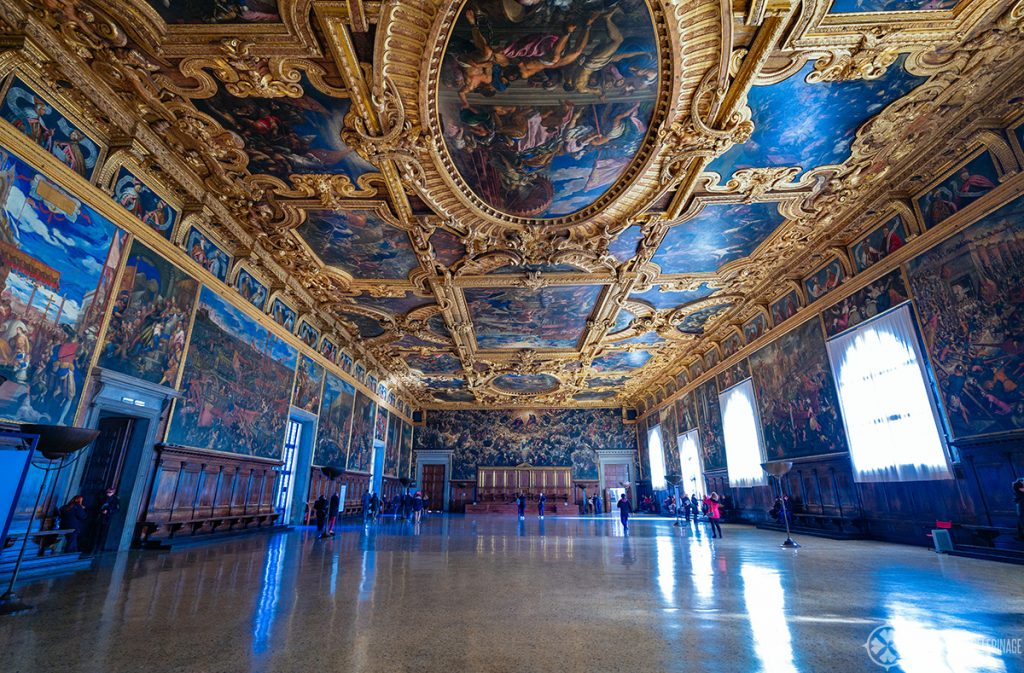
{"points": [[526, 384], [544, 103]]}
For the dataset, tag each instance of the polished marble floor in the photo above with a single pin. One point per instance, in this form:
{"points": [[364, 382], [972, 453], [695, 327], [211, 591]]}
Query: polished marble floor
{"points": [[491, 594]]}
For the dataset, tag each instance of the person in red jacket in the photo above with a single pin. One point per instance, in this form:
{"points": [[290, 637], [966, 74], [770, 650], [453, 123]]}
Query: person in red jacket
{"points": [[714, 514]]}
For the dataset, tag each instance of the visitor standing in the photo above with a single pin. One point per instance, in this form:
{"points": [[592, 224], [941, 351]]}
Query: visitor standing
{"points": [[714, 514], [625, 509], [540, 504], [686, 508], [374, 506], [332, 513], [417, 507], [1018, 499], [694, 506], [320, 510], [521, 505], [73, 517], [109, 508], [598, 504], [366, 505]]}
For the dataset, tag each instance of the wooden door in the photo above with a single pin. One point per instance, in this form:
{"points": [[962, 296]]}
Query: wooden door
{"points": [[433, 486]]}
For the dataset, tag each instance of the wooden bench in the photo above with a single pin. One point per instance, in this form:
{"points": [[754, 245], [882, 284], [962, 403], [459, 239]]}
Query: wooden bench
{"points": [[986, 535], [45, 539]]}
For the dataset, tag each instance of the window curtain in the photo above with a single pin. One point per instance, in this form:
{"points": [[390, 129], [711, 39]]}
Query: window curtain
{"points": [[742, 429], [689, 461], [891, 420], [656, 454]]}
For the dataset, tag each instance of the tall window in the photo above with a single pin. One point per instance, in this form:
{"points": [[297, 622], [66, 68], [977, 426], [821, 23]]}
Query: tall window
{"points": [[890, 415], [689, 461], [742, 430], [291, 455], [656, 454]]}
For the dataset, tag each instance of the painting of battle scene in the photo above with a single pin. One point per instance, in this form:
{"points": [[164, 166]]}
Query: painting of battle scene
{"points": [[206, 253], [309, 381], [755, 328], [784, 136], [719, 234], [283, 314], [785, 308], [877, 297], [58, 260], [288, 136], [132, 194], [552, 317], [309, 334], [825, 280], [545, 103], [879, 244], [335, 422], [968, 184], [217, 11], [393, 447], [360, 243], [360, 450], [146, 334], [709, 425], [540, 437], [251, 289], [795, 395], [969, 296], [31, 114], [237, 384]]}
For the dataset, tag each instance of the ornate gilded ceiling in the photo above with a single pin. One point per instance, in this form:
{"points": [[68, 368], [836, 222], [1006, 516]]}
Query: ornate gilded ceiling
{"points": [[523, 202]]}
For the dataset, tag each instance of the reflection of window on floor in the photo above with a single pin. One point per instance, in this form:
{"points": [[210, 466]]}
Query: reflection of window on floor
{"points": [[890, 416], [689, 460], [657, 457], [291, 455]]}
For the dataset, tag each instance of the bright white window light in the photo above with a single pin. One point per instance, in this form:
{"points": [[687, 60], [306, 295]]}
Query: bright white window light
{"points": [[689, 461], [890, 416], [742, 430], [656, 453]]}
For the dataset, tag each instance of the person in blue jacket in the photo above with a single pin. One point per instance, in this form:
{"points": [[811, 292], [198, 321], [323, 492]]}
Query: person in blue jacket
{"points": [[540, 504], [625, 509]]}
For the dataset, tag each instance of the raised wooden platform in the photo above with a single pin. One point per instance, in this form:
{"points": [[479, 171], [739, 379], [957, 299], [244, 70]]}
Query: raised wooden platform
{"points": [[551, 509]]}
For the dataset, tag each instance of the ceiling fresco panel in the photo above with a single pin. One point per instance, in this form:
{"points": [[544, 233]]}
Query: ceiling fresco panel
{"points": [[663, 300], [552, 317], [217, 11], [360, 243], [852, 6], [717, 235]]}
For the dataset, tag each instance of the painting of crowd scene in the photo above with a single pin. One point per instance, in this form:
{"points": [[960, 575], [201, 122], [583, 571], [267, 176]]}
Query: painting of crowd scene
{"points": [[251, 289], [33, 115], [969, 296], [796, 397], [309, 381], [709, 425], [132, 194], [871, 300], [152, 310], [58, 260], [283, 314], [968, 184], [544, 103], [360, 450], [825, 280], [540, 437], [206, 253], [879, 244], [237, 384], [785, 308], [392, 453], [217, 11], [288, 136], [335, 422]]}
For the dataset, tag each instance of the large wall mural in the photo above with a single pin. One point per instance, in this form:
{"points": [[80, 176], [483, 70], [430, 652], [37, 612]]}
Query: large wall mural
{"points": [[719, 234], [405, 467], [335, 423], [58, 260], [393, 447], [795, 395], [552, 317], [146, 334], [968, 294], [309, 383], [541, 437], [237, 383], [709, 425], [360, 450], [544, 103], [360, 243]]}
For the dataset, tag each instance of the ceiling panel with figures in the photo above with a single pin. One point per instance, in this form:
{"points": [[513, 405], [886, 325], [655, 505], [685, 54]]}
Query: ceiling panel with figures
{"points": [[546, 202]]}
